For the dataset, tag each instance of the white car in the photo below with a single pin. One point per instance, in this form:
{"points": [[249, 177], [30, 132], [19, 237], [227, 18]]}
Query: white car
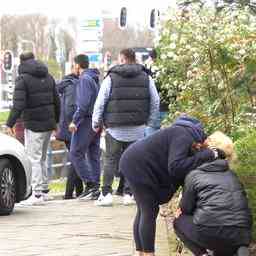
{"points": [[15, 174]]}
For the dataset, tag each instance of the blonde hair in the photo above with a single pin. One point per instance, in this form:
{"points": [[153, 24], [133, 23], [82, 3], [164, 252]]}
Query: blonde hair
{"points": [[223, 142]]}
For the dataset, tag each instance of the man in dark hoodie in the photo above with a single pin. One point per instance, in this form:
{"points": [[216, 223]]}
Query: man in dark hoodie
{"points": [[36, 98], [67, 91], [127, 101], [85, 143], [156, 166]]}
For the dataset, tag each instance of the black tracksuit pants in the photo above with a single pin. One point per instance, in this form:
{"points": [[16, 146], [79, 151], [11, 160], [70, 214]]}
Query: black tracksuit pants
{"points": [[223, 241], [73, 180]]}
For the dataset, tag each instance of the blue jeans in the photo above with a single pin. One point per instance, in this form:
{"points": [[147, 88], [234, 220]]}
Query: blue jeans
{"points": [[85, 152], [157, 124], [150, 130], [163, 115]]}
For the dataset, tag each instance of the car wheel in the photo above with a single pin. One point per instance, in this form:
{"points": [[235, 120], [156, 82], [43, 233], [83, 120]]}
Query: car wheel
{"points": [[7, 187]]}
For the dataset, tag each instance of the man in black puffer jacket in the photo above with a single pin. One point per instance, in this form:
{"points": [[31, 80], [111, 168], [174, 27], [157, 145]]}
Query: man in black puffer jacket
{"points": [[36, 99], [214, 208]]}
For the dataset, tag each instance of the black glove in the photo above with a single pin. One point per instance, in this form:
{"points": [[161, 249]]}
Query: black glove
{"points": [[218, 153]]}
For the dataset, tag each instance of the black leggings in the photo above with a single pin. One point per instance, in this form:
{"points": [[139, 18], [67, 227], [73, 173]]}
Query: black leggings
{"points": [[144, 228]]}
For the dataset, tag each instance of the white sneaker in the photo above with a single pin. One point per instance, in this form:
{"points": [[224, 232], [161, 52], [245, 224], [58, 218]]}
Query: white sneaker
{"points": [[106, 200], [128, 200], [32, 200], [47, 197]]}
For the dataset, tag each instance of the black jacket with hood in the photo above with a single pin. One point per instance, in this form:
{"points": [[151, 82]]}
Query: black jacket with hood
{"points": [[35, 97], [161, 161], [215, 197]]}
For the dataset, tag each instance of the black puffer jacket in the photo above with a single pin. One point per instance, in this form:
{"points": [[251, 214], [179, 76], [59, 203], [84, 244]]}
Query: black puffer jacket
{"points": [[215, 197], [35, 97]]}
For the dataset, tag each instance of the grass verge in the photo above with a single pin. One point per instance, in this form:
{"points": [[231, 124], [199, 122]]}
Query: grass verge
{"points": [[59, 186], [3, 116]]}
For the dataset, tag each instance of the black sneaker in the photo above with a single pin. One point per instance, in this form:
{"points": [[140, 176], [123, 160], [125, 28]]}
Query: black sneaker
{"points": [[88, 193], [95, 195], [85, 192]]}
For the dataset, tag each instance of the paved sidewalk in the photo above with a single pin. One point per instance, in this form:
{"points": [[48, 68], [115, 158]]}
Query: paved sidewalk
{"points": [[72, 228]]}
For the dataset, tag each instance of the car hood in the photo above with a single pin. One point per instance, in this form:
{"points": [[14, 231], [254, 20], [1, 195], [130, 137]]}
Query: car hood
{"points": [[10, 145]]}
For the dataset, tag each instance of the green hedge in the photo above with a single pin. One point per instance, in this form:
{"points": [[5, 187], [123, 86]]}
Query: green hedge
{"points": [[3, 116], [246, 168]]}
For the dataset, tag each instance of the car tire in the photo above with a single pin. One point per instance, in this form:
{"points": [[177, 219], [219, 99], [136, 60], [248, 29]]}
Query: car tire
{"points": [[7, 187]]}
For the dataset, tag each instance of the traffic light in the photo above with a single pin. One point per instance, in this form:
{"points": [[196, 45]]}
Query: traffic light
{"points": [[8, 61], [123, 18], [154, 15]]}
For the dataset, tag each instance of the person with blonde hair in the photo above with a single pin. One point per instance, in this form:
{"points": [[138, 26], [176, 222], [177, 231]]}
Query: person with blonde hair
{"points": [[214, 213], [223, 142]]}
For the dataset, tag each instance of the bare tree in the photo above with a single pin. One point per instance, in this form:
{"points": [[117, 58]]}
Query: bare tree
{"points": [[30, 29], [67, 42], [9, 38], [115, 39]]}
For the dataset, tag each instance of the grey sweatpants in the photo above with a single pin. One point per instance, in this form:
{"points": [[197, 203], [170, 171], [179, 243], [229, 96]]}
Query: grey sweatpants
{"points": [[36, 145]]}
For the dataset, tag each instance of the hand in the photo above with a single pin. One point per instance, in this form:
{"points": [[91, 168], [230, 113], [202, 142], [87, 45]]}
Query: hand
{"points": [[72, 127], [55, 132], [163, 210], [10, 131], [97, 129], [178, 213]]}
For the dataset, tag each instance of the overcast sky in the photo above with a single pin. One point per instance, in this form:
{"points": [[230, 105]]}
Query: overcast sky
{"points": [[137, 9]]}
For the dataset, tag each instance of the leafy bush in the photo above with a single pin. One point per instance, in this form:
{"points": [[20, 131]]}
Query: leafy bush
{"points": [[207, 63], [206, 67], [246, 168]]}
